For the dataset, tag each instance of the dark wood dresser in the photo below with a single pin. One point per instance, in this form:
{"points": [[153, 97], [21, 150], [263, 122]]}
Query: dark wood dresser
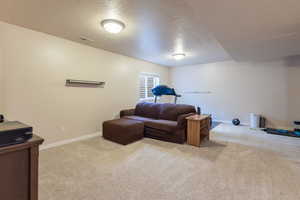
{"points": [[19, 170]]}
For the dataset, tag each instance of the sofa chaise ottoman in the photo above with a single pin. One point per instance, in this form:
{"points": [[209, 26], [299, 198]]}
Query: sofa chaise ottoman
{"points": [[123, 131]]}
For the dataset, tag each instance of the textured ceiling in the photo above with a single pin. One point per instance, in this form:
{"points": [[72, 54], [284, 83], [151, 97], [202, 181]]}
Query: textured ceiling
{"points": [[252, 29], [206, 30]]}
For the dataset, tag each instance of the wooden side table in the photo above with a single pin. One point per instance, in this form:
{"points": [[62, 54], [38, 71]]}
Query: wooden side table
{"points": [[198, 129]]}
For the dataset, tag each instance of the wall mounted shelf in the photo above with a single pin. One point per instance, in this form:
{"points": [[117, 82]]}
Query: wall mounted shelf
{"points": [[84, 83], [197, 92]]}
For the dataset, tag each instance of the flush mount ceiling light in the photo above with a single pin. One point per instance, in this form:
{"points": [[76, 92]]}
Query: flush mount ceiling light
{"points": [[178, 56], [112, 25]]}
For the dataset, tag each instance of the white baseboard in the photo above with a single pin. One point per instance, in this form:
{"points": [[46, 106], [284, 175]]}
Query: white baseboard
{"points": [[229, 122], [222, 121], [68, 141]]}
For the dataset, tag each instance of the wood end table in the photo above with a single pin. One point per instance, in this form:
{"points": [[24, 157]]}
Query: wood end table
{"points": [[198, 127]]}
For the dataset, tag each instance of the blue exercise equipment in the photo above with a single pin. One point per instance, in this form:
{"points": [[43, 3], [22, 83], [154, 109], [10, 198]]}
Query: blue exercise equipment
{"points": [[164, 90]]}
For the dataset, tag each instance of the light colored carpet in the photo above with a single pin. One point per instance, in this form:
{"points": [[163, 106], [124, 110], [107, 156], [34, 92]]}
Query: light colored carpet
{"points": [[97, 169], [288, 147]]}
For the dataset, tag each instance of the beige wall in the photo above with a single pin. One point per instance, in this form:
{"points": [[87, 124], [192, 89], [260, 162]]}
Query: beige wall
{"points": [[36, 67], [294, 92], [270, 89]]}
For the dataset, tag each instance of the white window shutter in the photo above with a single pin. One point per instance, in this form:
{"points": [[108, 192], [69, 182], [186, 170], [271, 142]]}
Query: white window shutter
{"points": [[147, 83], [142, 87], [150, 86]]}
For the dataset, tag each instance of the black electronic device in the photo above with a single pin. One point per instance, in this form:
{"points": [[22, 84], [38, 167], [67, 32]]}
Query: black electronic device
{"points": [[13, 132]]}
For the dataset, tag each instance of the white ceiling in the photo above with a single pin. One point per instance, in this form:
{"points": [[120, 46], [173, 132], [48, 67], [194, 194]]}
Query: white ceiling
{"points": [[206, 30], [252, 29]]}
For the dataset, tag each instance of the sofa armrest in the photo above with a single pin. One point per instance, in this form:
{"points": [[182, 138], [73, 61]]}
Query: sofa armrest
{"points": [[127, 112], [182, 121]]}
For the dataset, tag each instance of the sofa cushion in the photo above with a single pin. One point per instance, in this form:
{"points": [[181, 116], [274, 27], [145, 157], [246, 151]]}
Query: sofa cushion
{"points": [[138, 118], [145, 109], [170, 111], [127, 112], [165, 125]]}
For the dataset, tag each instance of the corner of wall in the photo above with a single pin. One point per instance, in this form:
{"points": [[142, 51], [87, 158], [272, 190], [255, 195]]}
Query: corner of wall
{"points": [[170, 82]]}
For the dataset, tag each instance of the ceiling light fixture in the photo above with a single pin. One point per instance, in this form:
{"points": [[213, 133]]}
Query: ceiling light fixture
{"points": [[112, 25], [178, 56]]}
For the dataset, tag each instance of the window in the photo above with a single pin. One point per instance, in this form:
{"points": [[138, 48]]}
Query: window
{"points": [[147, 83]]}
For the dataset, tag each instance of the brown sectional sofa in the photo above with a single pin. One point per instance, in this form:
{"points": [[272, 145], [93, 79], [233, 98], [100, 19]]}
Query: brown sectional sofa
{"points": [[162, 121]]}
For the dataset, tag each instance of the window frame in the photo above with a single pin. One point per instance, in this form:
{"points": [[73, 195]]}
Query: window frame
{"points": [[156, 80]]}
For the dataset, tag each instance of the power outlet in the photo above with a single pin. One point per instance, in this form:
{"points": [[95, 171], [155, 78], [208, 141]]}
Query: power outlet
{"points": [[62, 129]]}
